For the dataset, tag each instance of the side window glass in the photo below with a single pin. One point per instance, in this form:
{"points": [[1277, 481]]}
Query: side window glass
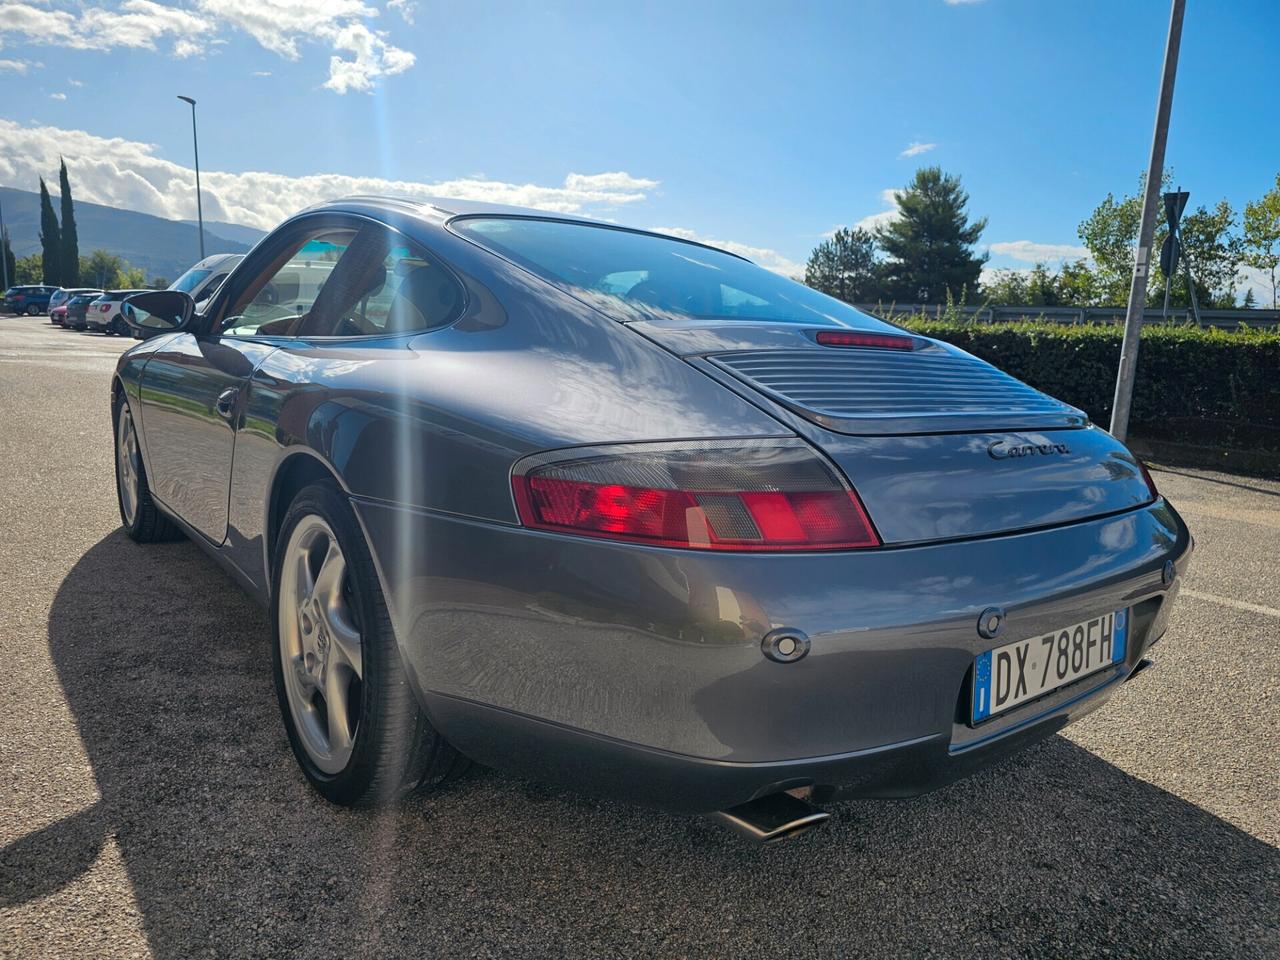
{"points": [[348, 283], [277, 301]]}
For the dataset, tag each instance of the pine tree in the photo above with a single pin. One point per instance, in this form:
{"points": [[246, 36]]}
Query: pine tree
{"points": [[50, 240], [845, 266], [929, 245], [1250, 301], [70, 242]]}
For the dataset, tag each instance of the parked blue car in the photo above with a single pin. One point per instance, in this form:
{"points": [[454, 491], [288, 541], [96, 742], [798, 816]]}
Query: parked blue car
{"points": [[31, 300]]}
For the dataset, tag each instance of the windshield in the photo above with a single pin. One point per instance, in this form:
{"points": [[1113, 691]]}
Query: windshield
{"points": [[657, 275], [190, 280]]}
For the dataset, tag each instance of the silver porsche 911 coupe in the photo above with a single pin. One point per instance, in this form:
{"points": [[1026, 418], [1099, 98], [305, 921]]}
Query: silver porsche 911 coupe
{"points": [[627, 512]]}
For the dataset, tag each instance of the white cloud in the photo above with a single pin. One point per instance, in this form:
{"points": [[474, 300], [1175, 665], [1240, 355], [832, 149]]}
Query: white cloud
{"points": [[764, 256], [1029, 251], [915, 148], [76, 83], [125, 173], [57, 96], [361, 54], [19, 66], [888, 196], [406, 8], [961, 3], [1259, 281], [262, 73]]}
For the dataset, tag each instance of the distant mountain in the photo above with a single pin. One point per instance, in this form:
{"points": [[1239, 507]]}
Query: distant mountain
{"points": [[231, 231], [162, 248]]}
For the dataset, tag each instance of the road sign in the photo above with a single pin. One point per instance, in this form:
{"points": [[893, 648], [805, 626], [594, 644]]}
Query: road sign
{"points": [[1174, 204], [1169, 254]]}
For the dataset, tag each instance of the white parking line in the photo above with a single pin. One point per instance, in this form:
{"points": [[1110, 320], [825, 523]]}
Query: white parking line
{"points": [[1227, 602]]}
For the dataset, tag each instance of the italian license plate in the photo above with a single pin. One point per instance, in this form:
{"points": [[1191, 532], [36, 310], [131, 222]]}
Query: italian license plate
{"points": [[1020, 671]]}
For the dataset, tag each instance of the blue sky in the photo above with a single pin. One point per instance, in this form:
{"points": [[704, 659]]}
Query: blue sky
{"points": [[759, 125]]}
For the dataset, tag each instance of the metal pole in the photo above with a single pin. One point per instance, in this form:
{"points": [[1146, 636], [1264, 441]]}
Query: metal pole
{"points": [[195, 143], [1142, 260]]}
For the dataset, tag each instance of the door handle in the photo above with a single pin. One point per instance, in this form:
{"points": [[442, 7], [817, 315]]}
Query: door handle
{"points": [[226, 402]]}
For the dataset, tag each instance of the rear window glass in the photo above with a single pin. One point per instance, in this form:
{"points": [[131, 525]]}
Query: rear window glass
{"points": [[661, 276]]}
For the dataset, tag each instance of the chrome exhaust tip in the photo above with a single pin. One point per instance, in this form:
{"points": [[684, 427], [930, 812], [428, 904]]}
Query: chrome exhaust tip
{"points": [[774, 818]]}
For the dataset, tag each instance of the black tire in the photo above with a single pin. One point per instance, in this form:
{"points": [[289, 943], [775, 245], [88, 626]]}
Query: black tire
{"points": [[148, 524], [34, 311], [395, 748]]}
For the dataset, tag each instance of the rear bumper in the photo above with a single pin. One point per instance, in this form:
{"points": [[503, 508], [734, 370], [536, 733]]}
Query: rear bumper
{"points": [[637, 672]]}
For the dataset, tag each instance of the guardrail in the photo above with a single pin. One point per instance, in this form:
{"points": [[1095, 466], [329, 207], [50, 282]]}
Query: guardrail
{"points": [[1208, 318]]}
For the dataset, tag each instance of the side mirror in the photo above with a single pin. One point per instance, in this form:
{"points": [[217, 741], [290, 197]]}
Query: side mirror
{"points": [[158, 311]]}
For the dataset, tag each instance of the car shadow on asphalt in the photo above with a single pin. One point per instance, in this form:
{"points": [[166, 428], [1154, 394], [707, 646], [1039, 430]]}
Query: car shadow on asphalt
{"points": [[164, 663]]}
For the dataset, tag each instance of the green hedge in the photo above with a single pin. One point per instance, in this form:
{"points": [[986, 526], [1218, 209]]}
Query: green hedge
{"points": [[1194, 385]]}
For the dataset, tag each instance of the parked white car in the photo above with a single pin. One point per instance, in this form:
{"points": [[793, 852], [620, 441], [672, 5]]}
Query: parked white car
{"points": [[203, 279], [103, 315]]}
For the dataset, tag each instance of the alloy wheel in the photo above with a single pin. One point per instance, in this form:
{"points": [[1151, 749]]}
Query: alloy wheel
{"points": [[320, 647], [128, 466]]}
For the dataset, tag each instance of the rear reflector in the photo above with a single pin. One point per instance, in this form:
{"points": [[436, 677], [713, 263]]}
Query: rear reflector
{"points": [[775, 495], [853, 338]]}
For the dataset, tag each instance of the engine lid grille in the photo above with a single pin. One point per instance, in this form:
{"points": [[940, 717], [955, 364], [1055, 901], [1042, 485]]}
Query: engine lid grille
{"points": [[868, 391]]}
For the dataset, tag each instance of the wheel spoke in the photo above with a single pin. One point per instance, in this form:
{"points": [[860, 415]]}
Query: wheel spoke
{"points": [[346, 641], [328, 582], [337, 687]]}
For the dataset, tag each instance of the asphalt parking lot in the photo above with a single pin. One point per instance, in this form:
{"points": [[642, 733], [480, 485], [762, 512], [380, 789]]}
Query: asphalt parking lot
{"points": [[149, 805]]}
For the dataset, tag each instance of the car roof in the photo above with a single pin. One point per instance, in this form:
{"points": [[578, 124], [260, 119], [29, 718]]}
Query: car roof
{"points": [[437, 211]]}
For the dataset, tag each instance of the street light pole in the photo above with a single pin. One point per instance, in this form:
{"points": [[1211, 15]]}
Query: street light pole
{"points": [[1142, 261], [195, 143]]}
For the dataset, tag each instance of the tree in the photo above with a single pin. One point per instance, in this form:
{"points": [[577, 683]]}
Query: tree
{"points": [[10, 263], [1250, 301], [1214, 253], [929, 245], [28, 270], [1262, 234], [845, 266], [70, 255], [1211, 249], [50, 240], [1078, 284], [1037, 287], [104, 270]]}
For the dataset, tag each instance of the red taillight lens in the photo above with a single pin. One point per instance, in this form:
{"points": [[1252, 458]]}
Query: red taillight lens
{"points": [[105, 307], [855, 338], [1146, 475], [774, 496]]}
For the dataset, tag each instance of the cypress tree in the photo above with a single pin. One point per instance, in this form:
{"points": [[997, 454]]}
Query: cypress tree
{"points": [[11, 263], [50, 240], [70, 242]]}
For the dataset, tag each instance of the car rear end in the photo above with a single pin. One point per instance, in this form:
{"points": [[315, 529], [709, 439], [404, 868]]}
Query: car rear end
{"points": [[97, 317], [932, 566], [103, 315], [15, 299], [78, 310]]}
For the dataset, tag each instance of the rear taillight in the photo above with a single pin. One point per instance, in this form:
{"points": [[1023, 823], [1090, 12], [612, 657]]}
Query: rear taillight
{"points": [[105, 307], [857, 338], [1146, 475], [726, 495]]}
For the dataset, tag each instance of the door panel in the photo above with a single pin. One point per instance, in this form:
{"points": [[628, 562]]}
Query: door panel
{"points": [[190, 401]]}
